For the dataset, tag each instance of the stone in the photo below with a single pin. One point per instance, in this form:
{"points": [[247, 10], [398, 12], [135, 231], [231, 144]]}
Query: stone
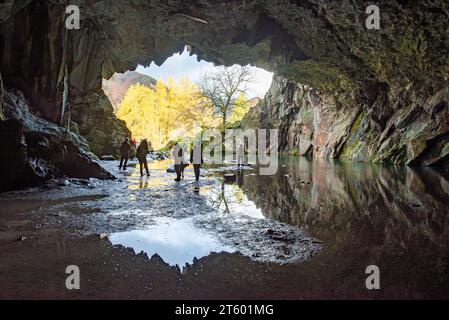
{"points": [[97, 123], [108, 158], [33, 150], [315, 125]]}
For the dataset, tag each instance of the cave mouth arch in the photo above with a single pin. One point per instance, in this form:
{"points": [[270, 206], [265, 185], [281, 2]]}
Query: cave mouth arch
{"points": [[183, 73], [181, 64], [364, 83]]}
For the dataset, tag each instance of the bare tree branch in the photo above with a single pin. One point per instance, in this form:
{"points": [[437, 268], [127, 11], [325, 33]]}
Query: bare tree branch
{"points": [[222, 88]]}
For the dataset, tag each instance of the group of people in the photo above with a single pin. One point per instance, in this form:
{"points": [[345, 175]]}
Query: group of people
{"points": [[196, 158], [141, 155]]}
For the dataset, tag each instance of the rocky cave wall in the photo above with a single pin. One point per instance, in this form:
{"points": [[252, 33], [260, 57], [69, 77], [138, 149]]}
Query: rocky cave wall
{"points": [[404, 129], [377, 95], [36, 49], [2, 93]]}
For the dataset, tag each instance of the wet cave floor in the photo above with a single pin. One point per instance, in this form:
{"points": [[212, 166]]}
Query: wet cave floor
{"points": [[309, 232]]}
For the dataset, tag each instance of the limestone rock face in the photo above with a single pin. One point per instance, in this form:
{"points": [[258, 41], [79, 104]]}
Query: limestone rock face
{"points": [[309, 123], [409, 129], [37, 52], [33, 150], [96, 122]]}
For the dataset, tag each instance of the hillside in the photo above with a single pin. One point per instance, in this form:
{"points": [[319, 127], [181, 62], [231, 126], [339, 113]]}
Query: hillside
{"points": [[116, 87]]}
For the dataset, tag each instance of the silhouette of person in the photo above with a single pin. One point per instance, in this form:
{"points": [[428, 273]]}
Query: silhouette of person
{"points": [[180, 163], [142, 152], [125, 149], [196, 158], [240, 178], [240, 155]]}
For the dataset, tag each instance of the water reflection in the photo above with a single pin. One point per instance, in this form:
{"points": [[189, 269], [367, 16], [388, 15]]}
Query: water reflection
{"points": [[331, 199], [394, 217], [177, 242], [231, 199]]}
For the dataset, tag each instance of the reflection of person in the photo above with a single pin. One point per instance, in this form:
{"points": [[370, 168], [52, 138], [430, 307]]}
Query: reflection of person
{"points": [[196, 158], [240, 155], [142, 152], [125, 149], [180, 163], [240, 178], [143, 184]]}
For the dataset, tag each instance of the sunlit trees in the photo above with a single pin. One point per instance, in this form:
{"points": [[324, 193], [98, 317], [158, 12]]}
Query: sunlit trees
{"points": [[168, 111], [155, 113], [224, 90], [239, 110]]}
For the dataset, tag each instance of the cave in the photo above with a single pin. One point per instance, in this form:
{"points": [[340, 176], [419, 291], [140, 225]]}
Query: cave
{"points": [[340, 91], [358, 84]]}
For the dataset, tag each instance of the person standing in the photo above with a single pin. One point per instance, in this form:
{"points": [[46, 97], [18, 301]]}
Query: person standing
{"points": [[125, 150], [196, 158], [142, 152], [240, 156], [178, 155]]}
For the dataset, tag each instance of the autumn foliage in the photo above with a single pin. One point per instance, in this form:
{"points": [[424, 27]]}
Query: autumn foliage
{"points": [[168, 111]]}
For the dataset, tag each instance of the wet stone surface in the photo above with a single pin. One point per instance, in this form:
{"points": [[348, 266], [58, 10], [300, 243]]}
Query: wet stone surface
{"points": [[310, 231], [138, 212]]}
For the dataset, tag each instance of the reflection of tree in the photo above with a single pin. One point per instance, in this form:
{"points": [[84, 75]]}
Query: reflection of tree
{"points": [[222, 201]]}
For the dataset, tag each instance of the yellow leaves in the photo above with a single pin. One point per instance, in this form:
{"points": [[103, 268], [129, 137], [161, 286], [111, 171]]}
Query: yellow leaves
{"points": [[158, 113], [240, 108]]}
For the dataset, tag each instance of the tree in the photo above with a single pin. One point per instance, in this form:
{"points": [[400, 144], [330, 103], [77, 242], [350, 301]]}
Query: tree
{"points": [[157, 113], [222, 88], [240, 109]]}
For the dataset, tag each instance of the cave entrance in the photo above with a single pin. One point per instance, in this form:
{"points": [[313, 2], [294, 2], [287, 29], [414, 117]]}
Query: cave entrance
{"points": [[183, 96]]}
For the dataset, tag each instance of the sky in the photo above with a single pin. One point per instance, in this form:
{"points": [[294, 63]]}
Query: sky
{"points": [[183, 65]]}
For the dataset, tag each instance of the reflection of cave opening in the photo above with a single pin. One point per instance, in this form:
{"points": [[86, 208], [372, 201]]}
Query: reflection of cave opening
{"points": [[161, 103]]}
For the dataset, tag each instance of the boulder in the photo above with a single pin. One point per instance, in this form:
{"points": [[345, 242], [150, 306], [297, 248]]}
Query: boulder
{"points": [[108, 158], [96, 122], [33, 150]]}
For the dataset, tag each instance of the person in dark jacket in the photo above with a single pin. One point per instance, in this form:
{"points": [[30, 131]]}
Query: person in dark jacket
{"points": [[142, 152], [125, 150], [196, 158]]}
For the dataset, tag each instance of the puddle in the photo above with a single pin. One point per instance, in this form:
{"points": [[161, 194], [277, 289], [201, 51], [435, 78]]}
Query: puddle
{"points": [[177, 242], [338, 216], [139, 183], [231, 199]]}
